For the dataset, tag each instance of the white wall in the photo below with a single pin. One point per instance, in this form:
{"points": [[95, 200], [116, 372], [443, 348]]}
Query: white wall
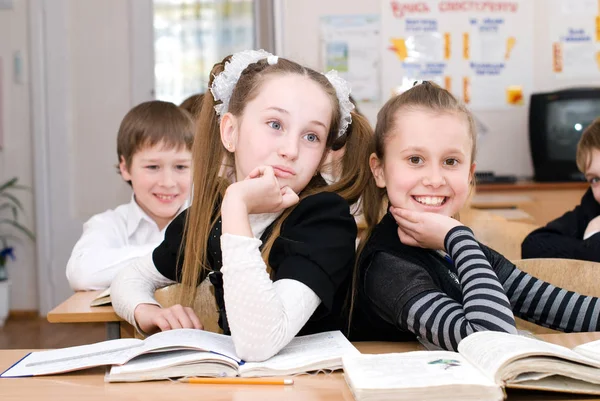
{"points": [[16, 156], [100, 82], [505, 148]]}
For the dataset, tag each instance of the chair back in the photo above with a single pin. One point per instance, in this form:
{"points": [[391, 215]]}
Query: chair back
{"points": [[503, 236]]}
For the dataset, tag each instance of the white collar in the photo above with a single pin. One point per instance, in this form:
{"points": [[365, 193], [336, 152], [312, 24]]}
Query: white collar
{"points": [[260, 222], [135, 215]]}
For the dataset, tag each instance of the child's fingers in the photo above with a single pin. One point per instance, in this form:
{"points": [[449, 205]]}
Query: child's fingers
{"points": [[162, 323], [406, 224], [288, 197], [261, 171], [257, 172], [405, 214], [196, 324], [406, 238]]}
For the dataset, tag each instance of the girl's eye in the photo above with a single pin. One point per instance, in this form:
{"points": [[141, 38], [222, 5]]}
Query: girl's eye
{"points": [[152, 167], [312, 137], [595, 181], [451, 162], [415, 160], [274, 124], [182, 167]]}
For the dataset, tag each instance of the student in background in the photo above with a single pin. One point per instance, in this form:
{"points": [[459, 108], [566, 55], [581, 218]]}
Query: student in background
{"points": [[154, 152], [279, 243], [421, 272], [193, 104], [576, 234]]}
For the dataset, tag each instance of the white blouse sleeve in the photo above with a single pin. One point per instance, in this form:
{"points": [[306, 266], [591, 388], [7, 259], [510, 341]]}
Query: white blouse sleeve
{"points": [[135, 285], [263, 315]]}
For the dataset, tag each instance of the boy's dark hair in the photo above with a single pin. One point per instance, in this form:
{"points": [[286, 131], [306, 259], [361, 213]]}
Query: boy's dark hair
{"points": [[590, 140], [152, 123], [193, 104]]}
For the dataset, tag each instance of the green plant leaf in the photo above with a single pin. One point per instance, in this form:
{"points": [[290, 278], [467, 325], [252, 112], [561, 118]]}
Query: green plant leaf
{"points": [[13, 199], [19, 227], [13, 209], [8, 184]]}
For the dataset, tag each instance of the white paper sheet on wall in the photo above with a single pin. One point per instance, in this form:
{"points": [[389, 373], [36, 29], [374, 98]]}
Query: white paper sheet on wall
{"points": [[481, 51], [350, 45], [575, 33]]}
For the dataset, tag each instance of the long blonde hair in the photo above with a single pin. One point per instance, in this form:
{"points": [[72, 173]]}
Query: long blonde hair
{"points": [[208, 154]]}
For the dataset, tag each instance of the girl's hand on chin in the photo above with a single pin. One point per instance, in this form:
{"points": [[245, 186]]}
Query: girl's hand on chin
{"points": [[260, 192], [422, 229]]}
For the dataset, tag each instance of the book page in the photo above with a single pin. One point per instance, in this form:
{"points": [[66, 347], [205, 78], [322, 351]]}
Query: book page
{"points": [[591, 349], [155, 362], [102, 299], [490, 351], [74, 358], [304, 353], [191, 339], [412, 370]]}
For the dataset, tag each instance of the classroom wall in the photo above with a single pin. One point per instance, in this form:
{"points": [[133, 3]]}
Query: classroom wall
{"points": [[505, 148], [16, 155], [100, 64]]}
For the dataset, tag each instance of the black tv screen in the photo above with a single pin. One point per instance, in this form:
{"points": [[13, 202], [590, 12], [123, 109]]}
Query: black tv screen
{"points": [[556, 122]]}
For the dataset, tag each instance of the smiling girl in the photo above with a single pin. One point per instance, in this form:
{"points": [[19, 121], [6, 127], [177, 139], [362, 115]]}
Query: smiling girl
{"points": [[421, 272]]}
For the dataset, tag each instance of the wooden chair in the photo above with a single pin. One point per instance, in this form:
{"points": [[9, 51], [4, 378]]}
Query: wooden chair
{"points": [[205, 305], [501, 235], [580, 276]]}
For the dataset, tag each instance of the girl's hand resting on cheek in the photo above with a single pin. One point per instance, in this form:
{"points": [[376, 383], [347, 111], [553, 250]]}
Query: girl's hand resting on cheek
{"points": [[422, 229], [152, 318], [260, 192]]}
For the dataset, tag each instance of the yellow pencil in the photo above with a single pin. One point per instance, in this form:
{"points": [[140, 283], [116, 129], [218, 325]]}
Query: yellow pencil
{"points": [[236, 380]]}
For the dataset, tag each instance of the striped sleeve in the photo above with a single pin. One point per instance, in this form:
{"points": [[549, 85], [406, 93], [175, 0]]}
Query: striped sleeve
{"points": [[542, 303], [485, 306]]}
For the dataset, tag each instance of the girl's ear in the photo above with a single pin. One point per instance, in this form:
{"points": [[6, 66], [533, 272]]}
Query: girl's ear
{"points": [[377, 170], [229, 128], [472, 174], [124, 170]]}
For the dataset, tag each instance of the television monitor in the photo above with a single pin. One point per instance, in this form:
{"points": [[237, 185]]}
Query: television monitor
{"points": [[556, 122]]}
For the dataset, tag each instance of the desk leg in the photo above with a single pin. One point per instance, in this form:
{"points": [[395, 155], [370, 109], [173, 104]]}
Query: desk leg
{"points": [[113, 330]]}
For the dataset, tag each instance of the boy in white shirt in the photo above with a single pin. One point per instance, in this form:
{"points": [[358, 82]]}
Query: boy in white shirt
{"points": [[154, 150]]}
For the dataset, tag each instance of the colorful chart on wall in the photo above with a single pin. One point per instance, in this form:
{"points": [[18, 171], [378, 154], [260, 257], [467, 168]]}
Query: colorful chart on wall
{"points": [[482, 51], [350, 45], [575, 32]]}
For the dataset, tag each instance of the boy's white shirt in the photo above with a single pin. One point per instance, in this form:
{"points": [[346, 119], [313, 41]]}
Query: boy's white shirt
{"points": [[110, 241], [263, 315]]}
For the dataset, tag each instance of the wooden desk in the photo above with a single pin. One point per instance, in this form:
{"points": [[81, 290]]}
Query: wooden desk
{"points": [[543, 201], [89, 385], [77, 309]]}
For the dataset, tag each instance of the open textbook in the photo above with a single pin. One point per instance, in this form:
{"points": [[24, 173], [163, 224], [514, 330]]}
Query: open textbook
{"points": [[102, 299], [485, 363], [185, 352]]}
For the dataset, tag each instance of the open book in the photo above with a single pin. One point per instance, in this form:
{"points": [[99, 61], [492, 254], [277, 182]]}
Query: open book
{"points": [[102, 299], [484, 364], [185, 352]]}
